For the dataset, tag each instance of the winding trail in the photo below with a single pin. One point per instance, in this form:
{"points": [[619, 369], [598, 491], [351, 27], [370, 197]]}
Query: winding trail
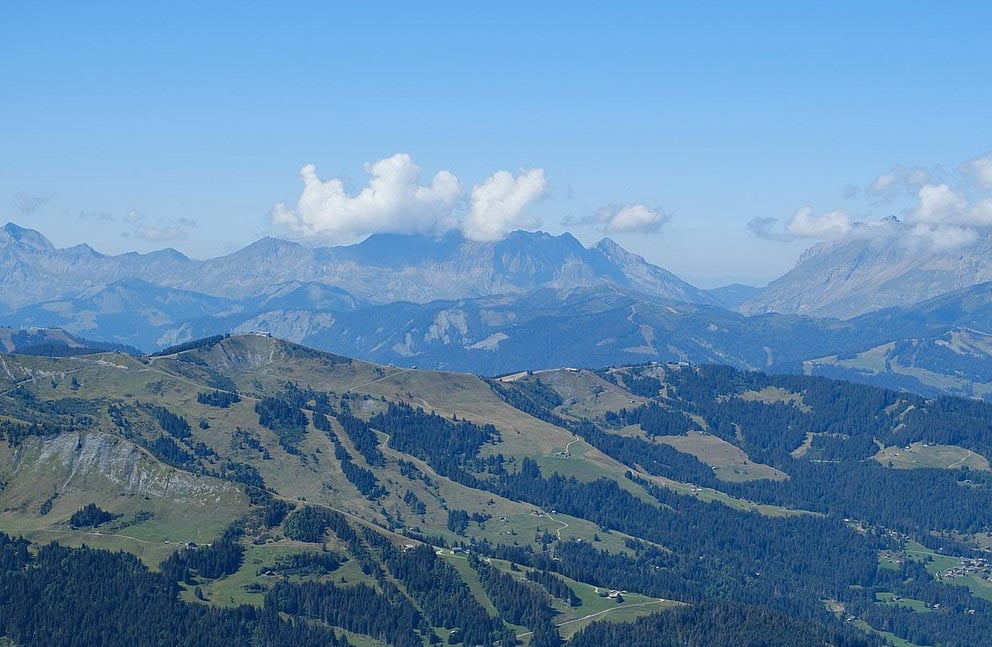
{"points": [[563, 524]]}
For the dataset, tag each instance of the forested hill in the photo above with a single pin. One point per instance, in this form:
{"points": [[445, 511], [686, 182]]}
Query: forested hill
{"points": [[266, 493]]}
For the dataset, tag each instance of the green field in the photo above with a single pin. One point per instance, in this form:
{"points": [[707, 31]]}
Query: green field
{"points": [[916, 605], [729, 463], [928, 455]]}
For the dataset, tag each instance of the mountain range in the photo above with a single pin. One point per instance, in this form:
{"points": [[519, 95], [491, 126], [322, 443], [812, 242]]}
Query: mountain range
{"points": [[532, 300], [382, 269]]}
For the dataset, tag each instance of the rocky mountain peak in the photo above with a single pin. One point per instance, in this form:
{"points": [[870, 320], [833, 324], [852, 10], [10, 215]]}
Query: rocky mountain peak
{"points": [[14, 235]]}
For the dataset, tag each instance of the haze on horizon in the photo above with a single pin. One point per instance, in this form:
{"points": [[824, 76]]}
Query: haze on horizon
{"points": [[665, 128]]}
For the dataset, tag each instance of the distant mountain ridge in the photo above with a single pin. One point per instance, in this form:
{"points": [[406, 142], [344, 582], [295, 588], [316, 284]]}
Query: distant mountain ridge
{"points": [[53, 342], [531, 300], [382, 269]]}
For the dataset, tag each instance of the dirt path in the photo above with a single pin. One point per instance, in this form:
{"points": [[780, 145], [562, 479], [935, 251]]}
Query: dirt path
{"points": [[55, 531], [385, 377], [563, 524], [959, 462]]}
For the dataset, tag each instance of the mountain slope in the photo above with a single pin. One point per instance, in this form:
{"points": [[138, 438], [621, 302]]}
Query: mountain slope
{"points": [[848, 278], [942, 345], [371, 492]]}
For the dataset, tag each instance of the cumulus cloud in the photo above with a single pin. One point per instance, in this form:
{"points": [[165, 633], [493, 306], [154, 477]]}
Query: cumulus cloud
{"points": [[617, 219], [28, 203], [133, 216], [393, 201], [941, 210], [978, 171], [938, 203], [498, 204], [806, 224]]}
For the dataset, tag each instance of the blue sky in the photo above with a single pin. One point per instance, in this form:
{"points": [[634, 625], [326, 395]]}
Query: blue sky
{"points": [[182, 124]]}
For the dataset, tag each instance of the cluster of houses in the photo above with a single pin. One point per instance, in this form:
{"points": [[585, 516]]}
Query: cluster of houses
{"points": [[969, 566]]}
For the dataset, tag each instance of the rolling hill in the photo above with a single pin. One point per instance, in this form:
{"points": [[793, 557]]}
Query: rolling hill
{"points": [[252, 471]]}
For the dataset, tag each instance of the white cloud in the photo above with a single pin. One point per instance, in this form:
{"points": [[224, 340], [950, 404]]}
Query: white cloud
{"points": [[623, 218], [498, 204], [630, 218], [938, 214], [979, 171], [906, 178], [133, 216], [883, 183], [393, 201], [938, 203], [981, 213], [805, 224], [616, 219]]}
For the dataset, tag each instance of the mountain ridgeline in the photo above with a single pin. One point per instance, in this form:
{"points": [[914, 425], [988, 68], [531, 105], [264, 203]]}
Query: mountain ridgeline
{"points": [[530, 301], [267, 493]]}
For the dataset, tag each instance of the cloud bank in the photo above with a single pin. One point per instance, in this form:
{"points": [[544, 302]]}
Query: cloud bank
{"points": [[395, 201], [939, 211]]}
